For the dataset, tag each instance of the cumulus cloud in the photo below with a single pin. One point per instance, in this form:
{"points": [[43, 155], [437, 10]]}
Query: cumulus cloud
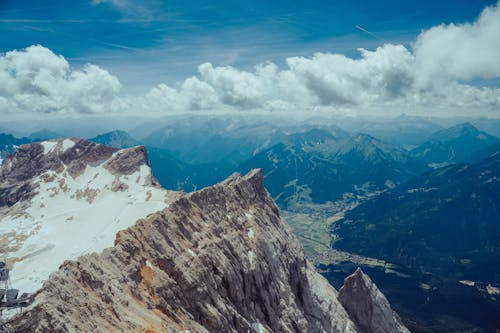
{"points": [[434, 74], [35, 79], [460, 52]]}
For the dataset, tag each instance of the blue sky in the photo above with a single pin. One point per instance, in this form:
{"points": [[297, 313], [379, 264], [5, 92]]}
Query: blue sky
{"points": [[163, 41], [346, 56]]}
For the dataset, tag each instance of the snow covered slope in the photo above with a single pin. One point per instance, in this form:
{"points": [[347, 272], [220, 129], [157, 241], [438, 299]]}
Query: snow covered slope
{"points": [[61, 199]]}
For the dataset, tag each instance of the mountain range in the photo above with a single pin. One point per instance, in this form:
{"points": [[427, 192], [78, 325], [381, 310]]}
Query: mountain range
{"points": [[150, 260], [317, 166], [445, 221], [457, 144]]}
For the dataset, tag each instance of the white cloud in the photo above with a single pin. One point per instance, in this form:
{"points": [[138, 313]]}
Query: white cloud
{"points": [[35, 79], [434, 75], [460, 52], [431, 76]]}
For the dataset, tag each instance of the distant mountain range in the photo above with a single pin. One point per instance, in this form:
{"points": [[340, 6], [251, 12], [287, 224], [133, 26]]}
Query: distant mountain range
{"points": [[9, 143], [457, 144], [403, 130], [214, 140], [116, 139], [446, 222], [317, 166]]}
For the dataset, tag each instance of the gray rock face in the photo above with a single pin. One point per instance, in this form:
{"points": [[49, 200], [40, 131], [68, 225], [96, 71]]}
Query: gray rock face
{"points": [[31, 160], [216, 260], [367, 306]]}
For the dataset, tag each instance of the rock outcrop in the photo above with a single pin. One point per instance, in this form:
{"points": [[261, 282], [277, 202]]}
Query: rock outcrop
{"points": [[55, 190], [216, 260], [367, 306]]}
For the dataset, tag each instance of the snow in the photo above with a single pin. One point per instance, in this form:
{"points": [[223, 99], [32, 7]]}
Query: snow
{"points": [[250, 233], [492, 290], [468, 283], [251, 257], [48, 146], [67, 144], [72, 217], [258, 327]]}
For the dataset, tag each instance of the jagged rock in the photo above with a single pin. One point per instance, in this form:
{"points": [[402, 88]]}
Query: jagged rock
{"points": [[55, 190], [31, 160], [367, 306]]}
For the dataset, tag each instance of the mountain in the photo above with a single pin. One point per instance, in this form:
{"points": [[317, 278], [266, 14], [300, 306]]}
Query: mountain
{"points": [[446, 222], [489, 125], [60, 199], [316, 166], [116, 139], [439, 237], [404, 130], [214, 140], [456, 144], [8, 143], [43, 135], [216, 260]]}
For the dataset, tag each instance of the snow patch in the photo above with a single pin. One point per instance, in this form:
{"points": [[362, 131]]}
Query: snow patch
{"points": [[258, 327], [492, 290], [250, 233], [468, 283], [67, 144], [48, 146], [70, 217], [251, 257]]}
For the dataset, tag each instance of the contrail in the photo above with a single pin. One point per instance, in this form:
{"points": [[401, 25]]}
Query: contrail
{"points": [[368, 32]]}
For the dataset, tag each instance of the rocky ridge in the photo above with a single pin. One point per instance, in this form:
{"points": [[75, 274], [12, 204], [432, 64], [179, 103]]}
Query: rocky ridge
{"points": [[63, 198], [216, 260]]}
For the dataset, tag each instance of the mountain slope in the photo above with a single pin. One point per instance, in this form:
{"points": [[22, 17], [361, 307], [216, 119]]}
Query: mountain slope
{"points": [[116, 139], [216, 260], [456, 144], [403, 130], [446, 221], [63, 198], [8, 143], [203, 140], [316, 166]]}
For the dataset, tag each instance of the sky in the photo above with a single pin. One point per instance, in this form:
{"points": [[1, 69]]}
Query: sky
{"points": [[154, 57]]}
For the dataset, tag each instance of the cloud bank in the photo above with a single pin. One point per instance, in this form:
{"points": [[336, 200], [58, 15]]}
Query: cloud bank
{"points": [[36, 80], [435, 74]]}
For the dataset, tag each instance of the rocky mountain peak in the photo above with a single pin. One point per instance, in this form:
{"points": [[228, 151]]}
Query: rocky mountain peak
{"points": [[367, 306], [52, 190], [216, 260], [72, 156]]}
